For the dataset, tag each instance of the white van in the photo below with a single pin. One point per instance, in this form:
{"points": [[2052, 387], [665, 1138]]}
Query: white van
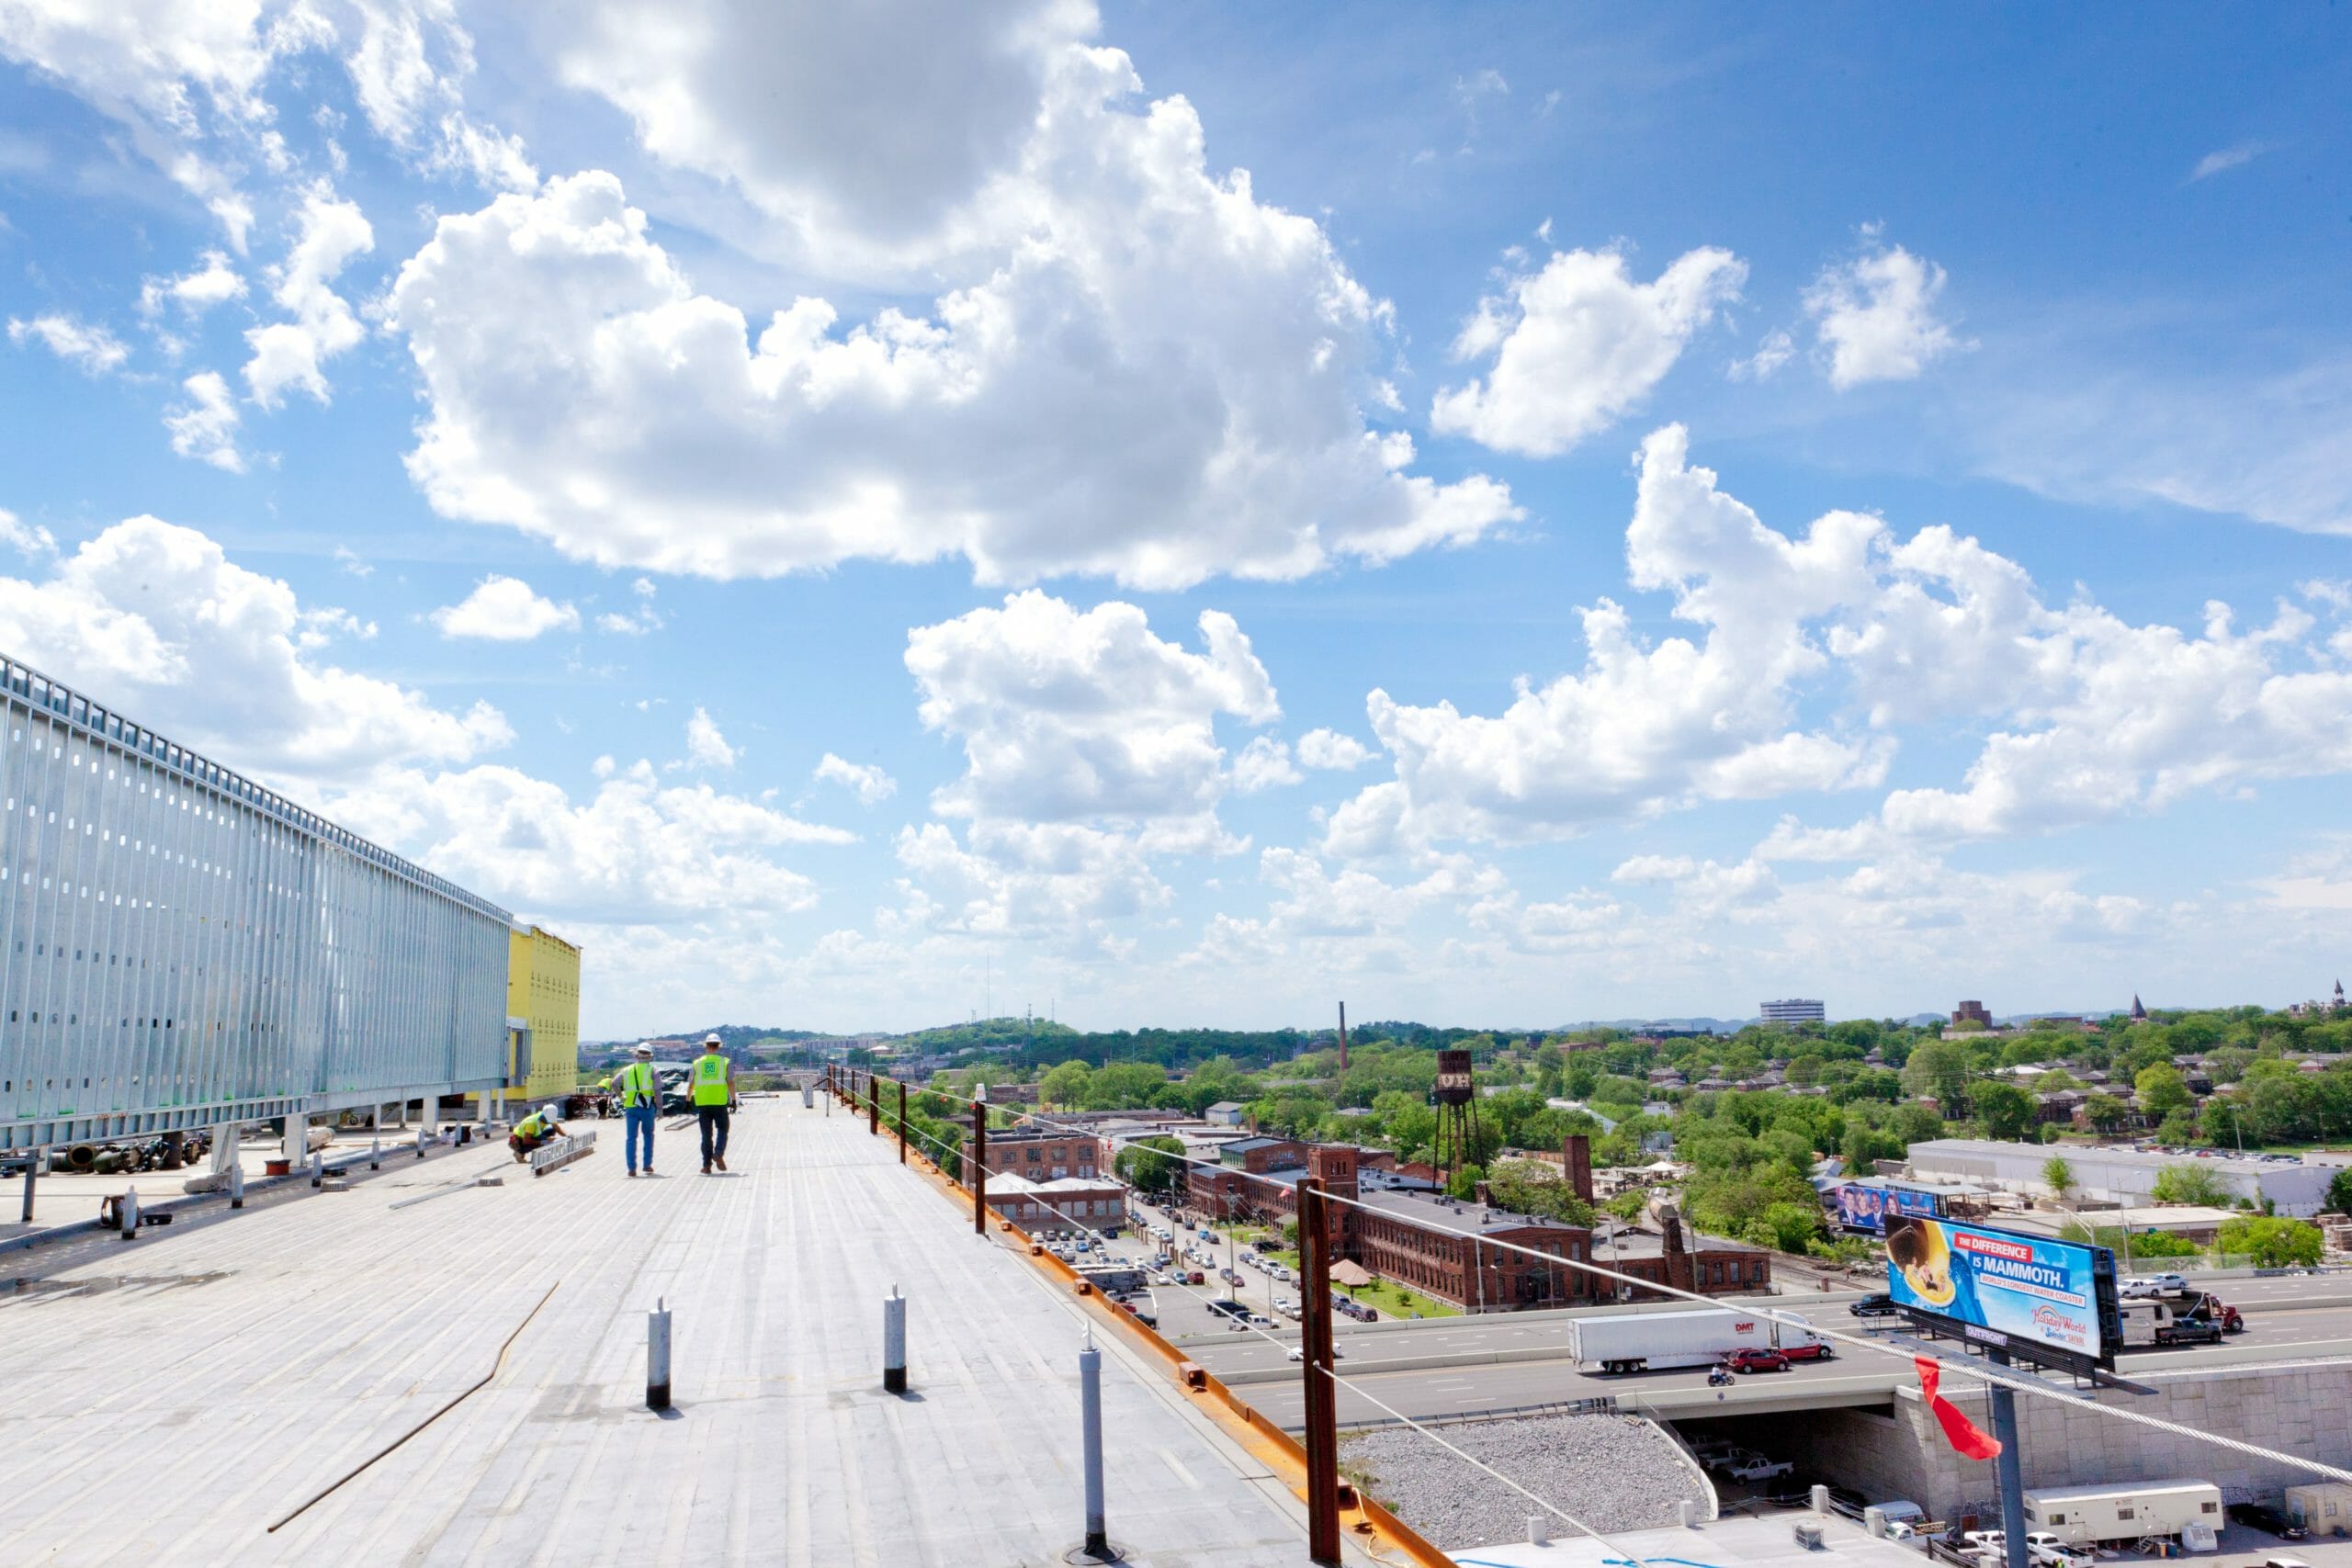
{"points": [[2085, 1516]]}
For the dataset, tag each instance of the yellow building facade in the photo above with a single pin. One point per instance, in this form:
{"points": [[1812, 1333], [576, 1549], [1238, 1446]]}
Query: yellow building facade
{"points": [[543, 987]]}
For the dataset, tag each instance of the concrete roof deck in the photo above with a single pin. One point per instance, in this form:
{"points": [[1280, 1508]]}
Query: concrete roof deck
{"points": [[174, 1394]]}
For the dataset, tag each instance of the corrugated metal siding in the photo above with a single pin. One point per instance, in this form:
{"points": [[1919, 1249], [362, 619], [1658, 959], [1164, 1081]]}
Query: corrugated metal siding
{"points": [[180, 945]]}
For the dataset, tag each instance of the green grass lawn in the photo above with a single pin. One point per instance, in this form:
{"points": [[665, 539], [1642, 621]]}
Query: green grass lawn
{"points": [[1393, 1300], [1385, 1297]]}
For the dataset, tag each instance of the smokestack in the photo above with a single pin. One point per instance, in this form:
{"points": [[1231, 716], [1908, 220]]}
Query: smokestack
{"points": [[1678, 1270], [1575, 1155], [1343, 1038]]}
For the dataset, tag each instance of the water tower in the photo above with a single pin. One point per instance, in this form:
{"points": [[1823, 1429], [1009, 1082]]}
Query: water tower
{"points": [[1456, 1099]]}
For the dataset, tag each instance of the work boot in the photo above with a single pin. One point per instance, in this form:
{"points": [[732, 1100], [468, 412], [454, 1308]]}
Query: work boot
{"points": [[721, 1159]]}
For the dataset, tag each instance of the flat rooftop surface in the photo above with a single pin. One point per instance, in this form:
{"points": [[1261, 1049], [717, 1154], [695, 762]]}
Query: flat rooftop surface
{"points": [[167, 1399]]}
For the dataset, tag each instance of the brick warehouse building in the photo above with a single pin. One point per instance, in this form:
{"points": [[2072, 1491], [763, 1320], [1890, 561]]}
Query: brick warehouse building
{"points": [[1407, 1236]]}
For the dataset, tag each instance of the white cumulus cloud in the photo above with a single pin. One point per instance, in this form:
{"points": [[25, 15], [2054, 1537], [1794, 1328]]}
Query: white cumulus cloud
{"points": [[868, 783], [1875, 315], [88, 347], [329, 232], [1329, 748], [504, 609], [1135, 368], [155, 619], [205, 427], [705, 746], [194, 293], [1577, 344]]}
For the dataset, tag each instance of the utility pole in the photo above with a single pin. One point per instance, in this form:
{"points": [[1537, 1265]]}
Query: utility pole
{"points": [[1322, 1393], [979, 1168]]}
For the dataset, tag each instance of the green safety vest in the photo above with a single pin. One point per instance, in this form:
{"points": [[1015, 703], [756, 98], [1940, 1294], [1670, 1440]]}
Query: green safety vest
{"points": [[636, 1083], [710, 1078], [535, 1125]]}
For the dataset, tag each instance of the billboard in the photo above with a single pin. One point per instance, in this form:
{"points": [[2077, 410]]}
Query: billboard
{"points": [[1864, 1206], [2049, 1300]]}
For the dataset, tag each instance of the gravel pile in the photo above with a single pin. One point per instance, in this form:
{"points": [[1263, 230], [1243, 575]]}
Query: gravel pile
{"points": [[1615, 1473]]}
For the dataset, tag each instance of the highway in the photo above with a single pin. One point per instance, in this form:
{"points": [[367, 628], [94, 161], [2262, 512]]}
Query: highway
{"points": [[1507, 1361], [1393, 1367]]}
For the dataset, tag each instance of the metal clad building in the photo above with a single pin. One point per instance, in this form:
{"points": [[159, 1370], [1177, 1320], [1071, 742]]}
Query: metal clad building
{"points": [[180, 946]]}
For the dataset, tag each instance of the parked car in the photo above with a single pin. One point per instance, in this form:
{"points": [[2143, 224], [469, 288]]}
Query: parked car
{"points": [[2269, 1520], [1229, 1307], [1878, 1304], [1760, 1469], [1194, 1277], [1260, 1320], [1730, 1458], [1755, 1358]]}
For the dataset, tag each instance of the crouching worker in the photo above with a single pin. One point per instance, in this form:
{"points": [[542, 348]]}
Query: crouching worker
{"points": [[532, 1132]]}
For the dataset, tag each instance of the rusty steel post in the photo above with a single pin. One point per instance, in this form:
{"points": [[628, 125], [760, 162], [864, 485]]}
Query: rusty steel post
{"points": [[979, 1168], [872, 1108], [902, 1123], [1322, 1394]]}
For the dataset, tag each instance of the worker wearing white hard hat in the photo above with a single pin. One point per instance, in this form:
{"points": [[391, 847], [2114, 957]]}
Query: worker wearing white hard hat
{"points": [[641, 1097], [532, 1131], [712, 1086]]}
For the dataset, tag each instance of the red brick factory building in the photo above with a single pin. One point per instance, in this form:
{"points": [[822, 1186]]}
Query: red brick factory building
{"points": [[1436, 1244]]}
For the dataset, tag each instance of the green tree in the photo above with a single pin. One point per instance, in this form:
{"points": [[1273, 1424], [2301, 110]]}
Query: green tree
{"points": [[2058, 1176], [1532, 1187], [1153, 1165], [1939, 1067], [2005, 1110], [2106, 1112], [2191, 1184], [2162, 1090], [2272, 1243], [1790, 1227], [1064, 1085], [2340, 1193]]}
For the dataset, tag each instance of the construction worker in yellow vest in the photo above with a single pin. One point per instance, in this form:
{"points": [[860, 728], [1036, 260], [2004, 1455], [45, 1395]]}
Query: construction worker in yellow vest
{"points": [[532, 1131], [640, 1093], [712, 1085]]}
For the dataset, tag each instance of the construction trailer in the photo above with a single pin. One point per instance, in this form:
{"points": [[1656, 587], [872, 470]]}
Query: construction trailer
{"points": [[2322, 1507], [2088, 1516], [181, 947]]}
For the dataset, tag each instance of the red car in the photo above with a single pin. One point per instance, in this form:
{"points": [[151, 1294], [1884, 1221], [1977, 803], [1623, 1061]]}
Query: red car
{"points": [[1756, 1358], [1818, 1351]]}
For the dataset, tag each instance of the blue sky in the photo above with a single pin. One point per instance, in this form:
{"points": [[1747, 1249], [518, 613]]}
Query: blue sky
{"points": [[1499, 514]]}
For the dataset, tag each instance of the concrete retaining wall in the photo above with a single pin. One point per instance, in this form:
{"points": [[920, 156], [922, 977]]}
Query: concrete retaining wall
{"points": [[1897, 1451]]}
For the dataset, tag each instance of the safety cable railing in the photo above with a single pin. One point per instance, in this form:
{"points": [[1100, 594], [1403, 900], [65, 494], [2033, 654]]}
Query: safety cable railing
{"points": [[1966, 1369], [1307, 1365]]}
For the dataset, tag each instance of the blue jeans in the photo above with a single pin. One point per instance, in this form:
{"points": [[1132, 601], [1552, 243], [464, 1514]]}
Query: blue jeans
{"points": [[639, 1119], [713, 1118]]}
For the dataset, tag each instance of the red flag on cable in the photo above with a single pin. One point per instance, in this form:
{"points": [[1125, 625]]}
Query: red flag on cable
{"points": [[1965, 1436]]}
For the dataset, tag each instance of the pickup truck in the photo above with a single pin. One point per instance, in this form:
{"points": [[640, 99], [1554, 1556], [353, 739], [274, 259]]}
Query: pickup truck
{"points": [[1760, 1469]]}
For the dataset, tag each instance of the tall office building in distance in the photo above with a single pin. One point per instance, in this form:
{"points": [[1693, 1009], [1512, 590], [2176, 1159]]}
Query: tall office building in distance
{"points": [[1795, 1009]]}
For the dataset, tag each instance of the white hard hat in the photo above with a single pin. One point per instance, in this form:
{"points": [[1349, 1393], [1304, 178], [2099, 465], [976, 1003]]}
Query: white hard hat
{"points": [[645, 1050], [712, 1040], [547, 1110]]}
